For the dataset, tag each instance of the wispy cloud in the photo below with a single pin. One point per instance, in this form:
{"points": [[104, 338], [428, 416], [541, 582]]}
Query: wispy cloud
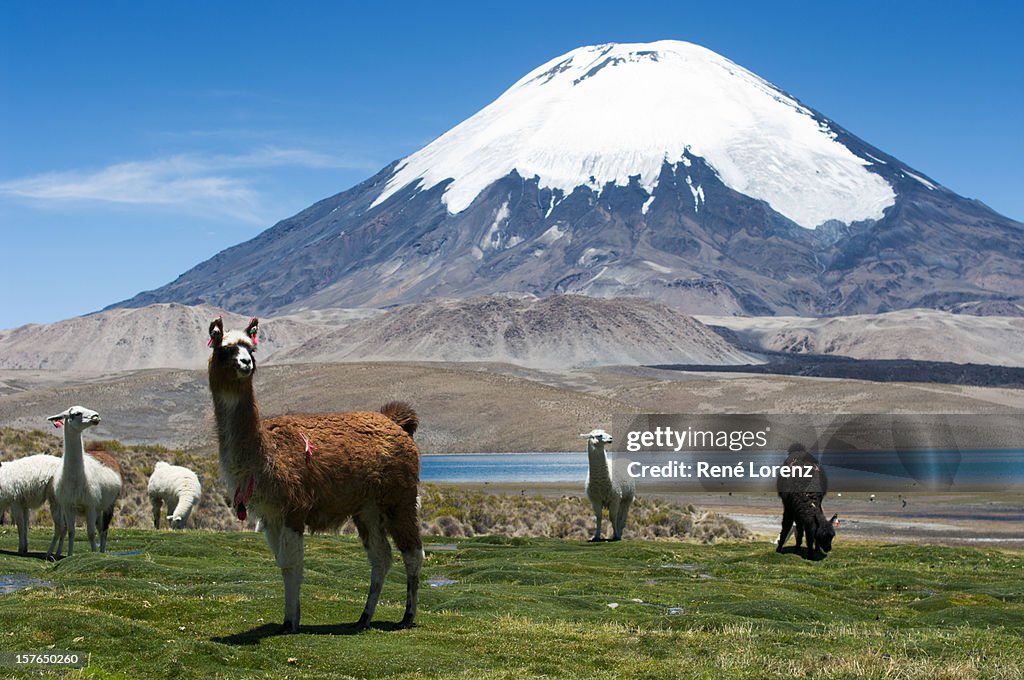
{"points": [[189, 182]]}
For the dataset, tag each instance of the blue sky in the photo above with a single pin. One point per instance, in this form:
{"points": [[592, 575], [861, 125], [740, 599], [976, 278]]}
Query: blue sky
{"points": [[138, 139]]}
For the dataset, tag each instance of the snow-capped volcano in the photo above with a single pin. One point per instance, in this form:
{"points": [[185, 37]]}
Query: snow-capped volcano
{"points": [[661, 171], [606, 113]]}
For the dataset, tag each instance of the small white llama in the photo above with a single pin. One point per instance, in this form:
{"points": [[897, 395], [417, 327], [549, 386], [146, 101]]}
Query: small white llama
{"points": [[178, 488], [605, 489]]}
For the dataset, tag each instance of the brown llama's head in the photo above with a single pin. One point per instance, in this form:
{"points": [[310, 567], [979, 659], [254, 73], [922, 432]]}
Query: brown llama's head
{"points": [[233, 360]]}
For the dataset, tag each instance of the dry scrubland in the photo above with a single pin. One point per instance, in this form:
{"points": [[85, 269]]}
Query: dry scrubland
{"points": [[466, 407]]}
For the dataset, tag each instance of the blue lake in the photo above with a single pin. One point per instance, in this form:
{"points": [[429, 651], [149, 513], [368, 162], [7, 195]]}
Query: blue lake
{"points": [[993, 470], [505, 467]]}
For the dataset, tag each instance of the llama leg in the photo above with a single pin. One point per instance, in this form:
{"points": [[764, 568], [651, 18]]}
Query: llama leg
{"points": [[787, 527], [156, 513], [620, 517], [19, 513], [69, 522], [613, 517], [105, 520], [370, 525], [405, 529], [90, 526], [58, 531], [287, 548], [799, 534], [290, 560], [598, 511]]}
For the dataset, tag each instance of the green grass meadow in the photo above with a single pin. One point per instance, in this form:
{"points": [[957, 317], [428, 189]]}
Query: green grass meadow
{"points": [[203, 604]]}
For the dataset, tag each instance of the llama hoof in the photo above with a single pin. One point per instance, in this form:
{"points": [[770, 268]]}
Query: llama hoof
{"points": [[287, 628], [595, 539], [617, 538], [363, 623], [778, 548], [405, 624]]}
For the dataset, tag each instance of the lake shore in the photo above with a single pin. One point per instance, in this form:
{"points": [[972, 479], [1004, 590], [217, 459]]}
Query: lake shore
{"points": [[981, 520]]}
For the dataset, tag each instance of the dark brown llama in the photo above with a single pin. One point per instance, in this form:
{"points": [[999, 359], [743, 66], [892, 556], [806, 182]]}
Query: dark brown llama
{"points": [[316, 471], [801, 504]]}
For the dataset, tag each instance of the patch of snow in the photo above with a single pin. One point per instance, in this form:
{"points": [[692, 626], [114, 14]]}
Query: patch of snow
{"points": [[698, 193], [605, 113], [646, 205], [551, 206], [492, 240], [920, 179]]}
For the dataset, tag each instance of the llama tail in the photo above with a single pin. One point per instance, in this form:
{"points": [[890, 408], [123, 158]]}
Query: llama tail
{"points": [[403, 415]]}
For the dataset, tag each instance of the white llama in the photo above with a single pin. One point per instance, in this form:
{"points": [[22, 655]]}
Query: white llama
{"points": [[178, 488], [605, 489], [25, 484], [82, 483]]}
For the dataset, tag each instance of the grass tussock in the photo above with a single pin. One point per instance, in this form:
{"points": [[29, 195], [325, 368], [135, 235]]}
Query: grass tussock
{"points": [[460, 513]]}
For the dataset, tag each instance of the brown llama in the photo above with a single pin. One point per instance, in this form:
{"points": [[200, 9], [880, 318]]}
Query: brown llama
{"points": [[317, 471]]}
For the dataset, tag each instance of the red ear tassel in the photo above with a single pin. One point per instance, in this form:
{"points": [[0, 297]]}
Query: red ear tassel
{"points": [[254, 330], [58, 423], [210, 342]]}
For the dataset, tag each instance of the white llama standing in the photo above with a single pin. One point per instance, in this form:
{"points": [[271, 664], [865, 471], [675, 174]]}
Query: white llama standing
{"points": [[82, 483], [25, 484], [605, 489]]}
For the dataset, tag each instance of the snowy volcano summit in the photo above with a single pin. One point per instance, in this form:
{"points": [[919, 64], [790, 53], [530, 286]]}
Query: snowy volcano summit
{"points": [[607, 113], [661, 171]]}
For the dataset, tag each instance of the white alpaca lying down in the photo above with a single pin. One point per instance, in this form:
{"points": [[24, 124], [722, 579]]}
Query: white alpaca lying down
{"points": [[25, 484], [178, 488]]}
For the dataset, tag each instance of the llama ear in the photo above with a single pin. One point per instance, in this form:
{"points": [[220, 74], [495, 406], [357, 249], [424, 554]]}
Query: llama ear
{"points": [[252, 329], [834, 518], [216, 332], [58, 420]]}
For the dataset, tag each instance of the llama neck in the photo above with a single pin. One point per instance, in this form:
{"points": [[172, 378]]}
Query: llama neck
{"points": [[184, 506], [239, 435], [598, 463], [74, 453]]}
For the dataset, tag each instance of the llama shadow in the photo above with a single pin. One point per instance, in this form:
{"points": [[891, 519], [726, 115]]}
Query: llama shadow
{"points": [[256, 635], [816, 556], [31, 555]]}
